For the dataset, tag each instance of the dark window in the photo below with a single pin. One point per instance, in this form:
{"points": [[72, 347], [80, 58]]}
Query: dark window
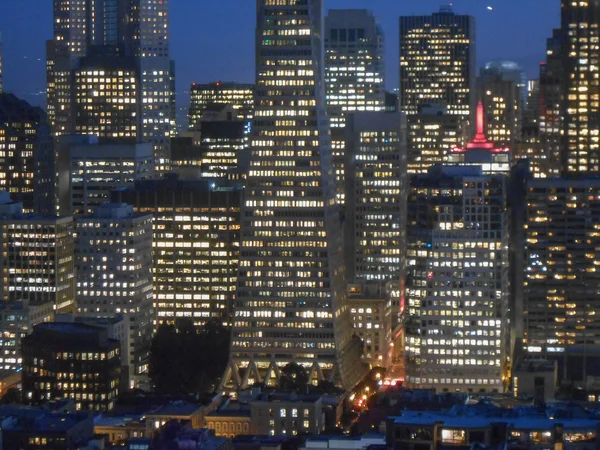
{"points": [[334, 35], [352, 35], [361, 33], [343, 35]]}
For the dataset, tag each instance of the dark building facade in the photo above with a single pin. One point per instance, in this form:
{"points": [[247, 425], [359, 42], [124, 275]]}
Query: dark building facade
{"points": [[73, 361]]}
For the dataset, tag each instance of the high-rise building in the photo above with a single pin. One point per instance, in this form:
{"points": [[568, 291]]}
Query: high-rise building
{"points": [[457, 284], [552, 105], [73, 361], [113, 262], [196, 236], [581, 88], [376, 190], [562, 279], [37, 259], [107, 97], [437, 62], [240, 95], [500, 86], [25, 153], [97, 169], [354, 74], [479, 151], [432, 134], [136, 29], [1, 83], [291, 300]]}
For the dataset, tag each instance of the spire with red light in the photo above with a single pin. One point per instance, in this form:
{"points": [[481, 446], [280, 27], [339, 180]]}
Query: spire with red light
{"points": [[480, 141]]}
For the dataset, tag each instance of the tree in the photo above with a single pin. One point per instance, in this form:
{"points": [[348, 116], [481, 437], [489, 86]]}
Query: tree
{"points": [[293, 377], [188, 360], [12, 396]]}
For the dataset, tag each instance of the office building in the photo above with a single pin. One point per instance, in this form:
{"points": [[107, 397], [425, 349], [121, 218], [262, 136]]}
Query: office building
{"points": [[581, 88], [73, 361], [376, 189], [354, 74], [552, 105], [291, 302], [457, 283], [223, 142], [371, 312], [17, 319], [26, 153], [97, 169], [561, 274], [196, 235], [240, 95], [354, 63], [479, 151], [37, 258], [113, 262], [107, 97], [437, 62], [134, 29], [500, 88], [432, 134], [1, 83]]}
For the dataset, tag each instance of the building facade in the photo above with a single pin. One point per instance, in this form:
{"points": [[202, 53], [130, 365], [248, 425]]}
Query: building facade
{"points": [[37, 259], [97, 169], [581, 88], [561, 278], [457, 283], [240, 95], [72, 361], [113, 262], [291, 301], [437, 62], [196, 234], [500, 86], [354, 74], [376, 187], [26, 154], [432, 134]]}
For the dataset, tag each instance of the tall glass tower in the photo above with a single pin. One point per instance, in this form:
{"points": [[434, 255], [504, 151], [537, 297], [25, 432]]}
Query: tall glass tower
{"points": [[291, 303], [580, 52]]}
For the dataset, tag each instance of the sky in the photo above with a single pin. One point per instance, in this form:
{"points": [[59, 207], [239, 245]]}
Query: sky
{"points": [[214, 40]]}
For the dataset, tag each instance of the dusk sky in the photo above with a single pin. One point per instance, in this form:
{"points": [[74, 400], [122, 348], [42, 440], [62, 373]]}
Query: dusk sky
{"points": [[214, 40]]}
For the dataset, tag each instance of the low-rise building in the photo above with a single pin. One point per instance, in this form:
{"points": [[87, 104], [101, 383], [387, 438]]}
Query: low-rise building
{"points": [[523, 427], [371, 311], [344, 442], [36, 428]]}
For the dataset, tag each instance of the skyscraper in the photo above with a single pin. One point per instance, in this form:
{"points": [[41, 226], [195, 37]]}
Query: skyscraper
{"points": [[437, 62], [42, 249], [27, 153], [1, 83], [240, 95], [196, 230], [562, 279], [457, 286], [432, 134], [291, 303], [580, 55], [132, 28], [113, 262], [376, 203], [500, 87], [354, 74]]}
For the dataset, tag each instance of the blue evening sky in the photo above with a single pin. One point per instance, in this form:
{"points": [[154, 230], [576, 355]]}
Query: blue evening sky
{"points": [[214, 40]]}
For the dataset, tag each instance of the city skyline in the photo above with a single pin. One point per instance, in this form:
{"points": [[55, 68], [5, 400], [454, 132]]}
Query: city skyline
{"points": [[24, 52]]}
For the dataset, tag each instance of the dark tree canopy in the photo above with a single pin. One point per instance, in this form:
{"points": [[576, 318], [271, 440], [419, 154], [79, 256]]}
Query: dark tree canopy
{"points": [[188, 360], [293, 377]]}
